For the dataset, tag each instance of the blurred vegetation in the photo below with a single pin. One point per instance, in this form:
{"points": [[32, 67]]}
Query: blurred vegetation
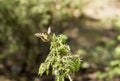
{"points": [[97, 39]]}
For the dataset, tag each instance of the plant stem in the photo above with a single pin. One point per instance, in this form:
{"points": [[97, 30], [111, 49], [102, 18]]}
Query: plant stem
{"points": [[69, 78]]}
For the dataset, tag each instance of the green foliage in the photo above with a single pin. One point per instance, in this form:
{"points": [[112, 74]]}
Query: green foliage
{"points": [[20, 19], [60, 59], [113, 66]]}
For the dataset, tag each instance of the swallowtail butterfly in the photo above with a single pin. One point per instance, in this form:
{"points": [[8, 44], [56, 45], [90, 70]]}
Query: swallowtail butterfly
{"points": [[45, 37]]}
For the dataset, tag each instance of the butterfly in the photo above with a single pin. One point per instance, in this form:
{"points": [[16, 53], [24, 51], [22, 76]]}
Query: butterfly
{"points": [[45, 37]]}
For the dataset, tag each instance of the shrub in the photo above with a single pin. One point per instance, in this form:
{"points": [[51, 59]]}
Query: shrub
{"points": [[60, 59]]}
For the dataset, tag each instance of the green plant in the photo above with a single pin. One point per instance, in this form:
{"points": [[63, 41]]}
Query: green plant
{"points": [[114, 65], [60, 59], [113, 70]]}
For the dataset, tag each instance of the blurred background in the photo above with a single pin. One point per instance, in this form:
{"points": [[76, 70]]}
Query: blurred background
{"points": [[92, 27]]}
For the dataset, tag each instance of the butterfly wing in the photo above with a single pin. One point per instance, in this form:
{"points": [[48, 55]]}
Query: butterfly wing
{"points": [[44, 36], [49, 30]]}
